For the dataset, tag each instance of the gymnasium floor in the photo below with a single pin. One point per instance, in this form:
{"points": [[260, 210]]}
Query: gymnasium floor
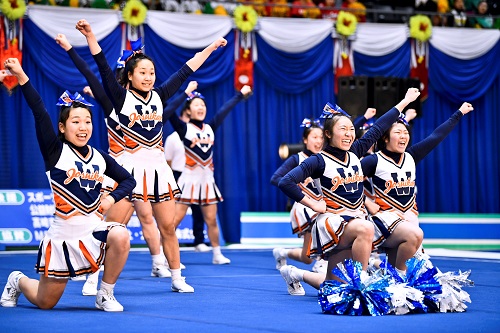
{"points": [[249, 295]]}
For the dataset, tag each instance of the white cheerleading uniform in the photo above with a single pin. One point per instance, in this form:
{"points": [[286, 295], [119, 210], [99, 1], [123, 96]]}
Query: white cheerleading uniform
{"points": [[142, 127], [394, 186], [342, 189], [302, 217], [75, 242], [197, 181], [116, 143]]}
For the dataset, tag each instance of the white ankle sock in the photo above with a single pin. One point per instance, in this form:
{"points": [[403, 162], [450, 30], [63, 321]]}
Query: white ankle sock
{"points": [[158, 259], [216, 250], [107, 286], [176, 274]]}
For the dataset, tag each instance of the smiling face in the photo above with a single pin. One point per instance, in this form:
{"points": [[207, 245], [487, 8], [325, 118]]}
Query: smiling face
{"points": [[198, 109], [314, 140], [143, 75], [342, 134], [77, 129], [398, 139]]}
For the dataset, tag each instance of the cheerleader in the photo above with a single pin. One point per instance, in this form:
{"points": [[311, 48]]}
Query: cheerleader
{"points": [[392, 171], [116, 149], [341, 230], [301, 216], [139, 111], [78, 242], [197, 179]]}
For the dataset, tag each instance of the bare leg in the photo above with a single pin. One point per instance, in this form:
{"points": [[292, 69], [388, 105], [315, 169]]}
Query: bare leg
{"points": [[149, 228], [358, 235], [120, 211], [44, 293], [117, 250], [300, 254], [210, 217], [164, 213], [403, 243]]}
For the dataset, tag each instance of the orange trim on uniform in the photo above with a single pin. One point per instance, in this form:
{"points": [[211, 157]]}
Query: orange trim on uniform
{"points": [[331, 232], [170, 193], [87, 256], [206, 195], [296, 219], [144, 188], [48, 252]]}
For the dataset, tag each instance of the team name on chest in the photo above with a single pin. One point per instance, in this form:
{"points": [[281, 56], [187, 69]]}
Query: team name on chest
{"points": [[86, 177], [347, 179]]}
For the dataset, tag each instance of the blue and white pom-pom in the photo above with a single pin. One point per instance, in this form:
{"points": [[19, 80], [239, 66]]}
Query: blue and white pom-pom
{"points": [[453, 298], [360, 294], [421, 276]]}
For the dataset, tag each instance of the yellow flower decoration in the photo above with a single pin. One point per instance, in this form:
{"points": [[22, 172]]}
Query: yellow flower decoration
{"points": [[346, 23], [245, 18], [13, 9], [134, 12], [420, 27]]}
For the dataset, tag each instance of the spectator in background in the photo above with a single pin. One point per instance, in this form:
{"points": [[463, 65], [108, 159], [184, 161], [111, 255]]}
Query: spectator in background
{"points": [[305, 9], [328, 9], [483, 19], [458, 17], [357, 8], [278, 8]]}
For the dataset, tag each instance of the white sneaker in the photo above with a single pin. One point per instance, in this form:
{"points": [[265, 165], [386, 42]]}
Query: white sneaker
{"points": [[279, 255], [89, 288], [321, 266], [11, 292], [219, 259], [180, 286], [292, 283], [107, 302], [201, 248], [161, 271]]}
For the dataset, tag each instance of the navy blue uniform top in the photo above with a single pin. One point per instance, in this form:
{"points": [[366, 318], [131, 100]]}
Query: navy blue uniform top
{"points": [[117, 93], [287, 166], [419, 150], [51, 146], [181, 127], [314, 166]]}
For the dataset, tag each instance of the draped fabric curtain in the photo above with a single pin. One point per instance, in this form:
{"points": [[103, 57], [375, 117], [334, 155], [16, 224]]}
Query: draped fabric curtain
{"points": [[292, 80]]}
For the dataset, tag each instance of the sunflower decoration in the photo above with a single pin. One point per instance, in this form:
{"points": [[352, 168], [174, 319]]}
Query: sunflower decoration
{"points": [[245, 18], [13, 9], [346, 23], [134, 13], [420, 28]]}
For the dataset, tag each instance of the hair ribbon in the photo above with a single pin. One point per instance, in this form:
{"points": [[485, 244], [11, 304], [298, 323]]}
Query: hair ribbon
{"points": [[195, 94], [307, 123], [67, 99], [329, 111], [136, 46]]}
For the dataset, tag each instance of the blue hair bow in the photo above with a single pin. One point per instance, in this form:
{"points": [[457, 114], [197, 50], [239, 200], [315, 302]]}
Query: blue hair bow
{"points": [[195, 94], [67, 99], [308, 123], [329, 111], [403, 119], [136, 46]]}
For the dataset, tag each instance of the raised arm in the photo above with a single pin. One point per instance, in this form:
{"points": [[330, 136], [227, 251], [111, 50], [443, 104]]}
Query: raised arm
{"points": [[114, 90], [424, 147], [361, 146], [92, 80], [168, 88], [200, 57], [50, 145], [244, 93], [177, 102]]}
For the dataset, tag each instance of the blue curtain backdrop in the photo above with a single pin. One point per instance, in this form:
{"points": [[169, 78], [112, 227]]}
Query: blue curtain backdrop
{"points": [[459, 176]]}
